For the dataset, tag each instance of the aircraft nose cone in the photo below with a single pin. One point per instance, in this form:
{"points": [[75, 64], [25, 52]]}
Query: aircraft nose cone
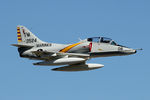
{"points": [[135, 51], [132, 51], [129, 51]]}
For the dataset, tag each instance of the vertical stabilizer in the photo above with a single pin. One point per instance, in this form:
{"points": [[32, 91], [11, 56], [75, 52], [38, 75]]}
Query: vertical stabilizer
{"points": [[25, 37]]}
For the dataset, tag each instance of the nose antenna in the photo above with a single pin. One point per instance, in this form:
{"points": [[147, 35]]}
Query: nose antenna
{"points": [[139, 49]]}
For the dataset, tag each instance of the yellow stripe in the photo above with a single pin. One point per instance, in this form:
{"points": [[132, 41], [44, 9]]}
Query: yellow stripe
{"points": [[19, 40], [69, 47], [18, 33], [18, 28]]}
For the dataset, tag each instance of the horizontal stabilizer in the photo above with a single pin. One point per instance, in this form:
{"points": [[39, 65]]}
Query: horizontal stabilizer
{"points": [[22, 45]]}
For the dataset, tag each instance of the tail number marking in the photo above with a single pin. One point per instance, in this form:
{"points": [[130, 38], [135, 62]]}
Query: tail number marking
{"points": [[32, 40]]}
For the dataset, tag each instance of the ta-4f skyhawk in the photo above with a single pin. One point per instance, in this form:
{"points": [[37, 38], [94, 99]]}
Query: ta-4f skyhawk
{"points": [[73, 56]]}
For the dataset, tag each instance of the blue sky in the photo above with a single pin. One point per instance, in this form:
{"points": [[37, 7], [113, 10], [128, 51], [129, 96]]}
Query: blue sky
{"points": [[64, 21]]}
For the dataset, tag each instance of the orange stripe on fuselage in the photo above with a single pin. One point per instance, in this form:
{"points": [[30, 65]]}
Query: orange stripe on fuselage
{"points": [[69, 47]]}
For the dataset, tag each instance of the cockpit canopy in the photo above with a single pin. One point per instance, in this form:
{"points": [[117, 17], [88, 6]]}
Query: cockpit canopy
{"points": [[102, 40]]}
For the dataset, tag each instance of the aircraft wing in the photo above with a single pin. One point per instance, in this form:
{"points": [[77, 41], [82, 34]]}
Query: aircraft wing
{"points": [[22, 45], [74, 54], [54, 54], [73, 61]]}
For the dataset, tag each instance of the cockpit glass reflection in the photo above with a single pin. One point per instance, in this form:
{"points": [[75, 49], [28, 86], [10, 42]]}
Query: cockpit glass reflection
{"points": [[102, 40]]}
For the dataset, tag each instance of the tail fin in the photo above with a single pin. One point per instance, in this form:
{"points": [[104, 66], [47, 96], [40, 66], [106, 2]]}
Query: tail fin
{"points": [[25, 37]]}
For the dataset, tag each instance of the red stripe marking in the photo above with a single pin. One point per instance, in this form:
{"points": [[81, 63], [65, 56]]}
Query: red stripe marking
{"points": [[19, 35], [23, 31], [20, 39], [90, 46]]}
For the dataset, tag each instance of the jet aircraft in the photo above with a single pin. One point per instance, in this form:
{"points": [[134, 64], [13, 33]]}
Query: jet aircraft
{"points": [[72, 56]]}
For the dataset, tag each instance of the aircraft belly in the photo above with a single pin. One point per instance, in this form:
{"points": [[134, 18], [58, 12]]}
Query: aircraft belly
{"points": [[79, 51], [107, 54]]}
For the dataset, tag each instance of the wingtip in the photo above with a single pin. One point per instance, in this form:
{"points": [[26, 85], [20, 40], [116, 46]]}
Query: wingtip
{"points": [[139, 49]]}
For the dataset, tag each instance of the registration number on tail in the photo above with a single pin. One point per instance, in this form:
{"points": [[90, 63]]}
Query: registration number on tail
{"points": [[32, 40]]}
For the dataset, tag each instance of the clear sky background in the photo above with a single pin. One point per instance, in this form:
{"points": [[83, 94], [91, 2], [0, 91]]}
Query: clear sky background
{"points": [[64, 21]]}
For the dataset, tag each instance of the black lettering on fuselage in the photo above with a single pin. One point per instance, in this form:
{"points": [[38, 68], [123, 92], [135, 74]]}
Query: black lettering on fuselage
{"points": [[43, 45]]}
